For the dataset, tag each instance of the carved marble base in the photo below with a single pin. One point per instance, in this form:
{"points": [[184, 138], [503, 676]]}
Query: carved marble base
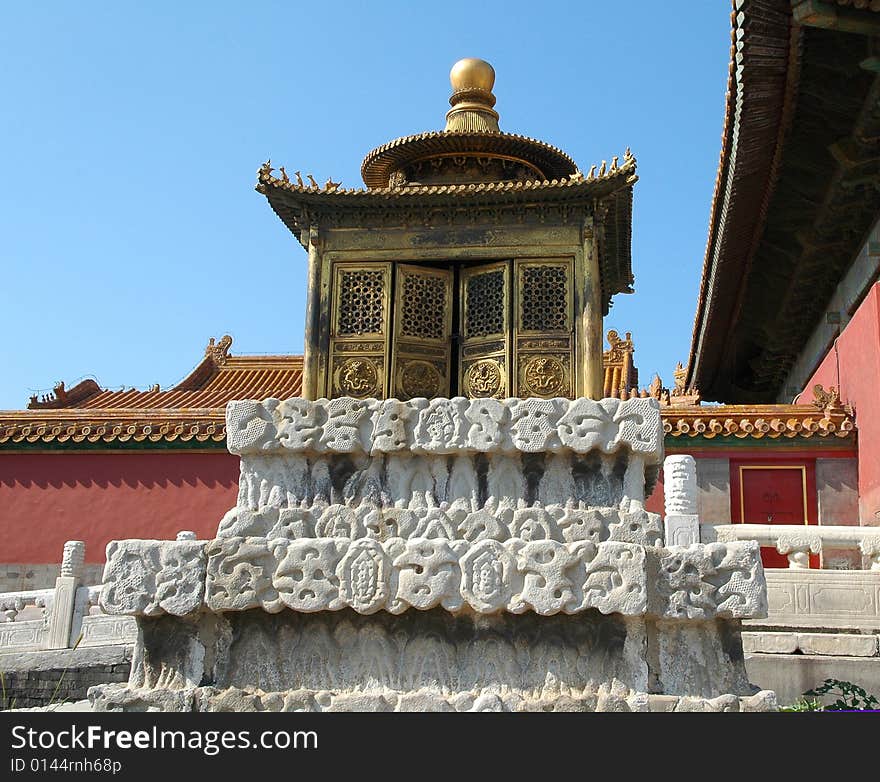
{"points": [[432, 660], [121, 697], [456, 554]]}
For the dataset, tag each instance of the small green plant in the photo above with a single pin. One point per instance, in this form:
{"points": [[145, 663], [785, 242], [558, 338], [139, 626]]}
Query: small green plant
{"points": [[804, 705], [850, 697], [54, 703]]}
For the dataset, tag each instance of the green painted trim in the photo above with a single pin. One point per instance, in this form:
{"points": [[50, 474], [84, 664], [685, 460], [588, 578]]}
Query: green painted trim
{"points": [[771, 444]]}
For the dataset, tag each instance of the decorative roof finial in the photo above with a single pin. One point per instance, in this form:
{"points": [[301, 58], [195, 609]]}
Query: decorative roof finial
{"points": [[219, 351], [472, 99]]}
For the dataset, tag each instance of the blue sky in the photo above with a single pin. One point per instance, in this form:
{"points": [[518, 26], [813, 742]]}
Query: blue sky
{"points": [[131, 134]]}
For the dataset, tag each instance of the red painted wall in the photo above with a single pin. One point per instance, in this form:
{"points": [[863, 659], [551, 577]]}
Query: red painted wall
{"points": [[853, 366], [763, 455], [48, 498], [655, 501]]}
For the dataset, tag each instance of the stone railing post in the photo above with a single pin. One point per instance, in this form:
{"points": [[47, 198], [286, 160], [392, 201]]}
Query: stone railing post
{"points": [[682, 522], [186, 534], [798, 549], [61, 617], [871, 550]]}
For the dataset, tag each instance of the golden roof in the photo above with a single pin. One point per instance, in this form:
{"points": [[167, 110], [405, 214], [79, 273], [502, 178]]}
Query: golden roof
{"points": [[193, 411], [471, 130], [617, 174], [217, 379]]}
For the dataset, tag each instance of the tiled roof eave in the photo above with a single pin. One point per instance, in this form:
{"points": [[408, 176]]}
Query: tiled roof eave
{"points": [[211, 384], [297, 207], [773, 22], [93, 413], [758, 422], [483, 192], [379, 163], [112, 426]]}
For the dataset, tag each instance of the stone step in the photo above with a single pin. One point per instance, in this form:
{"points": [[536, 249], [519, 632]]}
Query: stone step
{"points": [[831, 644]]}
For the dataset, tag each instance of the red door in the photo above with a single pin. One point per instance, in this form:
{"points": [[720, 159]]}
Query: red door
{"points": [[775, 494]]}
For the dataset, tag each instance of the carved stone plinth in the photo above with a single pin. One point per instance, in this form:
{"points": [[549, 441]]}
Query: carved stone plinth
{"points": [[432, 661], [446, 555]]}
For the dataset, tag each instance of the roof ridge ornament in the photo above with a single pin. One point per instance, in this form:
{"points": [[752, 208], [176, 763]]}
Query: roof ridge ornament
{"points": [[57, 398], [219, 351], [472, 100], [828, 401], [61, 396]]}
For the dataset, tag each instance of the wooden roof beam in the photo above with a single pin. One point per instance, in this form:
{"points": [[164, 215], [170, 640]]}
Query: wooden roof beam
{"points": [[850, 154], [814, 13]]}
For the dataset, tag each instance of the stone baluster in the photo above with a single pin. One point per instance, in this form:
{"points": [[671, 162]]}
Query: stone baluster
{"points": [[798, 549], [682, 522], [61, 619], [634, 484], [871, 549], [11, 608]]}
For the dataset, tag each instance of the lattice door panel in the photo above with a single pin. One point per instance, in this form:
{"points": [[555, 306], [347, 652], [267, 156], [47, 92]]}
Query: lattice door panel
{"points": [[544, 327], [359, 330], [422, 332], [484, 355]]}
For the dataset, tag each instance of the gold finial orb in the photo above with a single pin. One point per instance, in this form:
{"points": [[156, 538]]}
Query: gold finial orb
{"points": [[472, 99], [471, 73]]}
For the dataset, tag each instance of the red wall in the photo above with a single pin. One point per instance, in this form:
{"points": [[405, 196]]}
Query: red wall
{"points": [[48, 498], [853, 366], [762, 455], [655, 502]]}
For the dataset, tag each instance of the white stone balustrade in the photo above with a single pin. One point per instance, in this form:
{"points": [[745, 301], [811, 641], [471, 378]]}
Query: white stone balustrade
{"points": [[24, 606], [798, 541], [64, 617], [843, 600]]}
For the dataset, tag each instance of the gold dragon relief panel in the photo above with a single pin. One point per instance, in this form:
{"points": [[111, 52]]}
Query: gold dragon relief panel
{"points": [[358, 376], [544, 375], [485, 377], [417, 377]]}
